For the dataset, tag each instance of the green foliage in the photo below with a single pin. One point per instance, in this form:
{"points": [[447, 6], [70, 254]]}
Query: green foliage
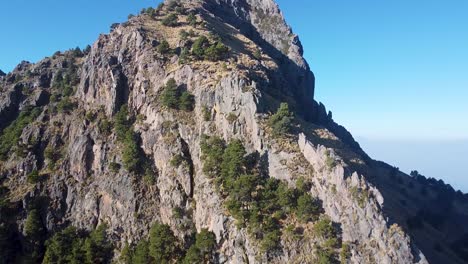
{"points": [[202, 49], [33, 226], [183, 34], [303, 185], [114, 167], [73, 246], [172, 97], [97, 247], [164, 47], [171, 20], [192, 19], [231, 118], [141, 255], [216, 52], [308, 208], [35, 233], [206, 114], [172, 5], [324, 228], [65, 247], [325, 256], [360, 195], [52, 155], [203, 248], [176, 161], [126, 254], [233, 161], [271, 241], [184, 56], [149, 11], [122, 123], [131, 158], [163, 244], [345, 253], [212, 155], [257, 54], [281, 122], [255, 202], [76, 52], [11, 134], [186, 101], [33, 177], [199, 46], [66, 105], [329, 161]]}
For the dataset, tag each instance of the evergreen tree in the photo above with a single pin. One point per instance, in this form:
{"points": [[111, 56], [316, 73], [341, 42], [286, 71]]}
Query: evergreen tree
{"points": [[186, 101], [162, 243], [281, 121], [170, 95], [141, 255]]}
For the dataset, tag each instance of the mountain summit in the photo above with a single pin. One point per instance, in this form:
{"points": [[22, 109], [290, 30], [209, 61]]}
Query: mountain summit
{"points": [[190, 134]]}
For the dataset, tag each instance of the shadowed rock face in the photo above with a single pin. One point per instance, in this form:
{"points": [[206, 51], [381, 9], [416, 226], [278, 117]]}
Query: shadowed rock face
{"points": [[73, 145]]}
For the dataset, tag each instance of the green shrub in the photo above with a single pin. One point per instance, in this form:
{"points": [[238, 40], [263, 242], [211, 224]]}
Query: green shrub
{"points": [[33, 177], [131, 154], [66, 246], [281, 122], [66, 105], [212, 149], [126, 254], [192, 19], [172, 5], [184, 56], [303, 185], [233, 160], [35, 234], [52, 155], [203, 248], [183, 34], [122, 123], [308, 208], [162, 244], [231, 118], [141, 255], [345, 253], [105, 126], [12, 133], [177, 160], [206, 114], [271, 241], [199, 46], [186, 101], [329, 160], [164, 47], [324, 228], [171, 20], [257, 54], [114, 167], [170, 95], [98, 249], [325, 256], [217, 51]]}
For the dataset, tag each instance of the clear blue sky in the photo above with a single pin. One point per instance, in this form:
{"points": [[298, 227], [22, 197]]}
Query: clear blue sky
{"points": [[389, 70]]}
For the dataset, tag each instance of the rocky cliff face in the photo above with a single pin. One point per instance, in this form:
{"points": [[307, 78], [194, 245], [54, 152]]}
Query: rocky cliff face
{"points": [[71, 140]]}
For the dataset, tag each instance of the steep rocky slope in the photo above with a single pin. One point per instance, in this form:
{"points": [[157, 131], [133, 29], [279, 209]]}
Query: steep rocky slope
{"points": [[91, 138]]}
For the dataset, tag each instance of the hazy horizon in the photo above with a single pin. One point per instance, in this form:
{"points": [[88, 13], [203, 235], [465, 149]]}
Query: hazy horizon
{"points": [[442, 159]]}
